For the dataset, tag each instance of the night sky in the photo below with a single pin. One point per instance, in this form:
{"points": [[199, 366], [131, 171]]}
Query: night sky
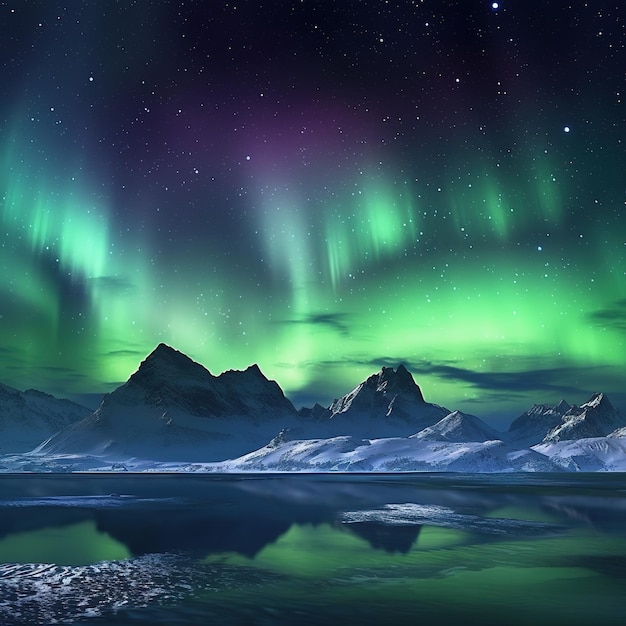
{"points": [[319, 187]]}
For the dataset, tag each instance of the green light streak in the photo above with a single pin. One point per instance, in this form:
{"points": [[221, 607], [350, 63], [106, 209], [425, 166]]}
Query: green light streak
{"points": [[23, 282], [376, 224], [65, 227], [499, 216], [547, 194], [481, 207], [480, 316], [369, 270]]}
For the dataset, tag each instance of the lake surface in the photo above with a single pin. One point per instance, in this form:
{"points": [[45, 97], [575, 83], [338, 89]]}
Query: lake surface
{"points": [[312, 549]]}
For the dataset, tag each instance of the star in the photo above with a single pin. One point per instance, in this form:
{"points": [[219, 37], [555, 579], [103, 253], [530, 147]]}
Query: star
{"points": [[295, 175]]}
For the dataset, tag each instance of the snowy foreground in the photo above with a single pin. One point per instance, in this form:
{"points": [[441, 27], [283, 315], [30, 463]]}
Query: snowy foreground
{"points": [[349, 454]]}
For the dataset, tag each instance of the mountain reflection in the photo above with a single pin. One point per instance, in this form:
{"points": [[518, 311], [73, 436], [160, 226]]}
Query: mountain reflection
{"points": [[381, 536], [201, 516]]}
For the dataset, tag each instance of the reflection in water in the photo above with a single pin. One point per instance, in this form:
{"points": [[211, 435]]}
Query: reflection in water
{"points": [[188, 550], [75, 544], [384, 537]]}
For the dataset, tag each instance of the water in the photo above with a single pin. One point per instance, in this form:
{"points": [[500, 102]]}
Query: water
{"points": [[321, 549]]}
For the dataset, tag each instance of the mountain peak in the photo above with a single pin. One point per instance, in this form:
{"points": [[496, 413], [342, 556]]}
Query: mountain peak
{"points": [[168, 377], [165, 353], [458, 427], [595, 418], [401, 370], [164, 362], [391, 381], [389, 401], [255, 370], [562, 407], [599, 401], [252, 376]]}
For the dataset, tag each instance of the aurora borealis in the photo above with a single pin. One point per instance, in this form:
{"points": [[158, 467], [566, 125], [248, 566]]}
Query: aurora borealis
{"points": [[318, 187]]}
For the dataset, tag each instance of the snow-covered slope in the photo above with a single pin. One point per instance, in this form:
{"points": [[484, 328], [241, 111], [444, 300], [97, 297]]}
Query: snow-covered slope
{"points": [[28, 417], [596, 454], [388, 403], [174, 408], [458, 427], [387, 455]]}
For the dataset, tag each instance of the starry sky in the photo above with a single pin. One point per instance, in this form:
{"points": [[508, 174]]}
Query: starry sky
{"points": [[322, 188]]}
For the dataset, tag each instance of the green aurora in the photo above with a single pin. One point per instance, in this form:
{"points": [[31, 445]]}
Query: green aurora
{"points": [[465, 233]]}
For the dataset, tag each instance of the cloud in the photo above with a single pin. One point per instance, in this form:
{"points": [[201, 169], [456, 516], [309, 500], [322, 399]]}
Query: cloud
{"points": [[113, 283], [125, 353], [335, 321], [521, 381], [57, 369], [564, 379], [524, 376], [614, 317]]}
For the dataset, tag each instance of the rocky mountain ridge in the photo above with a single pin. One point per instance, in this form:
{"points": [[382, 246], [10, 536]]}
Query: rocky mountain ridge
{"points": [[174, 409], [564, 422]]}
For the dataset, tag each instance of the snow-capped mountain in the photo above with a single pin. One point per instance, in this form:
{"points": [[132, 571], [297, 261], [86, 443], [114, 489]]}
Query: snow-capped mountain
{"points": [[532, 426], [27, 417], [174, 408], [458, 427], [458, 442], [388, 403], [170, 380], [542, 424], [595, 418]]}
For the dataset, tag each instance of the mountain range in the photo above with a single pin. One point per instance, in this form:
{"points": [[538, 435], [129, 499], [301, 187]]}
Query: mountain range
{"points": [[173, 408], [595, 418], [173, 411], [27, 417]]}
